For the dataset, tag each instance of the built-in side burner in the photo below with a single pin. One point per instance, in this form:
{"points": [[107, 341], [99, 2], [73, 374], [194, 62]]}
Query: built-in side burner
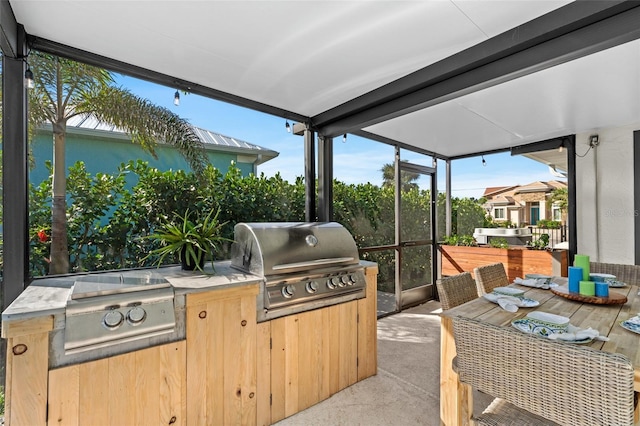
{"points": [[104, 309], [116, 283]]}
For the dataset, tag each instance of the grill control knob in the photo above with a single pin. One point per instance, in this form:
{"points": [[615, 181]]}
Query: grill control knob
{"points": [[332, 283], [312, 287], [351, 280], [345, 280], [112, 319], [288, 290], [136, 315]]}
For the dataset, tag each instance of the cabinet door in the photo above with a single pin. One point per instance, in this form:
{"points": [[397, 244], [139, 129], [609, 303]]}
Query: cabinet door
{"points": [[221, 357], [264, 374], [313, 356], [142, 387], [368, 327]]}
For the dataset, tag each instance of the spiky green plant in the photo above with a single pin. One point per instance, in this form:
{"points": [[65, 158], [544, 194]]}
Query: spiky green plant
{"points": [[195, 240]]}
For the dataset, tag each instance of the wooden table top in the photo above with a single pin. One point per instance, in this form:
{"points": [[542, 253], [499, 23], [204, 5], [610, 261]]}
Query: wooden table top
{"points": [[604, 318]]}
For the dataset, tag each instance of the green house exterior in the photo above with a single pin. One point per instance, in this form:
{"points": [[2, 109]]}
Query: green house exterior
{"points": [[103, 149]]}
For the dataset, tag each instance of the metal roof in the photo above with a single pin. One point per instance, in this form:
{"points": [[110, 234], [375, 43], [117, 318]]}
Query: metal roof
{"points": [[211, 140]]}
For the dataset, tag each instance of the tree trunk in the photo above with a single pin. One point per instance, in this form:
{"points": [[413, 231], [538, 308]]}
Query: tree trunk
{"points": [[59, 247]]}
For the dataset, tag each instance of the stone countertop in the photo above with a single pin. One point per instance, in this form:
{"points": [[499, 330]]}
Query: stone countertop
{"points": [[48, 296]]}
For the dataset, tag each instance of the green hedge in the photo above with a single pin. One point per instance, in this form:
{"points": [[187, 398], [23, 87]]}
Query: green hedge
{"points": [[109, 216]]}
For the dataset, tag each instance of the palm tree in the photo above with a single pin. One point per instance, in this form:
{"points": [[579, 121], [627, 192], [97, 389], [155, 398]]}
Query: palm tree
{"points": [[408, 179], [64, 89]]}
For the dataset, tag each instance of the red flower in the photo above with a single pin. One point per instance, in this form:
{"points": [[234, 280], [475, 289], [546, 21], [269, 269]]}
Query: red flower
{"points": [[42, 236]]}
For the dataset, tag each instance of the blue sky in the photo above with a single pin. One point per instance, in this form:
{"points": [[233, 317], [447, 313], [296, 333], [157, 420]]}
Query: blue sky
{"points": [[358, 160]]}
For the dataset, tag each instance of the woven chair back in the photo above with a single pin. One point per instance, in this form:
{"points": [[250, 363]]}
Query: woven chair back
{"points": [[565, 383], [489, 277], [456, 290], [625, 273]]}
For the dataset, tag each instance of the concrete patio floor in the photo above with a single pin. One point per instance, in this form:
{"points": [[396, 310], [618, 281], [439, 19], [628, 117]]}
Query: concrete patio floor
{"points": [[406, 390]]}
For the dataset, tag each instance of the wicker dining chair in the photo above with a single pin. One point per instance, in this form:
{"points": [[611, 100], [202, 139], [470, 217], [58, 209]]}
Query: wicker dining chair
{"points": [[456, 290], [625, 273], [489, 277], [541, 381]]}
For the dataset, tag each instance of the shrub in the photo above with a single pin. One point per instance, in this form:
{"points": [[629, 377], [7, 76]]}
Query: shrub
{"points": [[499, 243], [460, 240], [549, 224]]}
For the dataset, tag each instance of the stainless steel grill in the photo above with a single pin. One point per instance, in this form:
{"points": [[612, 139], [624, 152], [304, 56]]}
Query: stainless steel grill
{"points": [[111, 308], [304, 265]]}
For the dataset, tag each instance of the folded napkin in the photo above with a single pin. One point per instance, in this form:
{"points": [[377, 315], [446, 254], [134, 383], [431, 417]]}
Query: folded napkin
{"points": [[509, 303], [576, 334], [537, 283]]}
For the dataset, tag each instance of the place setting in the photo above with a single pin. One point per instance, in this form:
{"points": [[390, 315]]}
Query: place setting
{"points": [[510, 299], [536, 281], [556, 327]]}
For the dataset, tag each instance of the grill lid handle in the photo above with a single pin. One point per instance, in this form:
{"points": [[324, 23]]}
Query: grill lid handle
{"points": [[313, 263]]}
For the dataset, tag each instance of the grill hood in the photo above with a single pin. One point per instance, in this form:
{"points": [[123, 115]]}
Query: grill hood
{"points": [[274, 248]]}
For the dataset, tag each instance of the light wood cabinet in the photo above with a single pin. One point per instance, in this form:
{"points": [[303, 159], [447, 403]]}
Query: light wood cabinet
{"points": [[221, 357], [26, 371], [142, 387], [307, 357], [230, 370]]}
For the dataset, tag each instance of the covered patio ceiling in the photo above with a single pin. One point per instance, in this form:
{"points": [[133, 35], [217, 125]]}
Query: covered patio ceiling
{"points": [[453, 78]]}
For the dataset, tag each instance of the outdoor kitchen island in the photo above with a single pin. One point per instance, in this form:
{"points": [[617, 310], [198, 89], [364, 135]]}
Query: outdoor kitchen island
{"points": [[216, 365]]}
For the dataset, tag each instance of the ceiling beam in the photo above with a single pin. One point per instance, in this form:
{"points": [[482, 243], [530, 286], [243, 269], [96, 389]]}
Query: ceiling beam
{"points": [[120, 67], [393, 142], [547, 145], [573, 31]]}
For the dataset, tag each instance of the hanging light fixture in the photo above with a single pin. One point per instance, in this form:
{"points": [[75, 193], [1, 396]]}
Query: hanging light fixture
{"points": [[287, 126], [176, 98], [484, 163], [344, 138], [29, 82]]}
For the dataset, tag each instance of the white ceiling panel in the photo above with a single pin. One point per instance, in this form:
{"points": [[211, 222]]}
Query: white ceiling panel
{"points": [[597, 90], [600, 90], [494, 21], [301, 56], [447, 129], [308, 57]]}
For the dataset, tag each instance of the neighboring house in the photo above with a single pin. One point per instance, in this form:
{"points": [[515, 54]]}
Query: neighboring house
{"points": [[523, 205], [103, 148]]}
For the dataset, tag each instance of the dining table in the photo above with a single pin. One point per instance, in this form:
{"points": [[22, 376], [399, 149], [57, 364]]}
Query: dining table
{"points": [[456, 399]]}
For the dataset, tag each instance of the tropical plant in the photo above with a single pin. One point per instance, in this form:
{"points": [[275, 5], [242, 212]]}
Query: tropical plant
{"points": [[191, 241], [64, 89], [407, 179], [542, 243], [560, 197]]}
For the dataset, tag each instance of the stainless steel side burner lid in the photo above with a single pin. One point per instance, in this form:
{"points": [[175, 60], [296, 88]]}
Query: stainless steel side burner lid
{"points": [[109, 308]]}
